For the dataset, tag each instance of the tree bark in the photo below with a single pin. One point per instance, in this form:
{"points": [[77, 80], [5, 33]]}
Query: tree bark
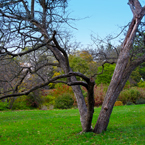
{"points": [[120, 76], [76, 89], [90, 106]]}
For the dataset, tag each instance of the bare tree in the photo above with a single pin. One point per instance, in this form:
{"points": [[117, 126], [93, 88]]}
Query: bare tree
{"points": [[33, 25], [28, 30]]}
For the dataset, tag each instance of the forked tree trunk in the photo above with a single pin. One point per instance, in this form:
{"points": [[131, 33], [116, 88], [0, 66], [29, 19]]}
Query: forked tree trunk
{"points": [[120, 76]]}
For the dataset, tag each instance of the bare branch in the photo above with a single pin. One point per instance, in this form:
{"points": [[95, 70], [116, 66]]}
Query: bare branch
{"points": [[26, 8], [106, 61], [9, 3], [62, 50], [73, 83], [32, 8], [135, 7], [80, 75], [28, 51]]}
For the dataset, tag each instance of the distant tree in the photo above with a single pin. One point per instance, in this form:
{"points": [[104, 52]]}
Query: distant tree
{"points": [[82, 61], [106, 76]]}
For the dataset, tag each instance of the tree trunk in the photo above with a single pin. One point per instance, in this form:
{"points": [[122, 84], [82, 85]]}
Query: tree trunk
{"points": [[106, 111], [76, 89], [107, 106], [90, 106], [119, 78], [81, 103]]}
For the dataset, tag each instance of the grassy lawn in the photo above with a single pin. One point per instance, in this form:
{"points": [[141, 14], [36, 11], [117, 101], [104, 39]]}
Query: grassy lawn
{"points": [[59, 127]]}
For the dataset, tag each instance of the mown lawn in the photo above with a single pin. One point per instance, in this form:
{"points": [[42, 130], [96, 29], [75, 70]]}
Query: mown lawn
{"points": [[59, 127]]}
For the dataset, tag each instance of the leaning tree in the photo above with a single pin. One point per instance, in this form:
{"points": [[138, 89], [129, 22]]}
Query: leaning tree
{"points": [[124, 66]]}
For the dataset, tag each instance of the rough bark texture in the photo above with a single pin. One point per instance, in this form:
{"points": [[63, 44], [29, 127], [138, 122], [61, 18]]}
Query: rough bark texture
{"points": [[121, 74], [90, 106], [76, 89], [81, 103]]}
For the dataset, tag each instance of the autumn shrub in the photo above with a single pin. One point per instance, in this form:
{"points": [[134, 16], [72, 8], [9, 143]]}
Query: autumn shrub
{"points": [[142, 92], [64, 101], [60, 89], [99, 94], [118, 103], [129, 95]]}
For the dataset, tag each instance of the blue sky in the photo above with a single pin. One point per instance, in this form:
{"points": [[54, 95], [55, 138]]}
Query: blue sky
{"points": [[104, 17]]}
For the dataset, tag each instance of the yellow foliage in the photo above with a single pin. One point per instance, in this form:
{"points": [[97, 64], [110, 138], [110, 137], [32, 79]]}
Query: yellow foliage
{"points": [[51, 85], [86, 56], [118, 103], [56, 74]]}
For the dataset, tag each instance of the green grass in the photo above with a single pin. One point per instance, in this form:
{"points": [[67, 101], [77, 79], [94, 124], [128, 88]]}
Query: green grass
{"points": [[60, 127]]}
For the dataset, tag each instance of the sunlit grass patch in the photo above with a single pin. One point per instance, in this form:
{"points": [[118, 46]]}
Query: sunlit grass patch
{"points": [[127, 126]]}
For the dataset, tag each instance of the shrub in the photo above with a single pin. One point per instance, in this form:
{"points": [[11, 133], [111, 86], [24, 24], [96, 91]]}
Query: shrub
{"points": [[142, 92], [60, 90], [3, 106], [129, 103], [140, 101], [118, 103], [34, 99], [99, 94], [141, 84], [47, 100], [64, 101], [20, 103], [129, 95]]}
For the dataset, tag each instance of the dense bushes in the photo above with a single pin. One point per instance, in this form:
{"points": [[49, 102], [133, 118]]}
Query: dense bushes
{"points": [[21, 103], [131, 95], [62, 97], [3, 105], [64, 101], [47, 102], [61, 89], [140, 101]]}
